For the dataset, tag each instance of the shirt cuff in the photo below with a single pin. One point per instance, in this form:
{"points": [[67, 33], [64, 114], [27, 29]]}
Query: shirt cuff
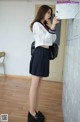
{"points": [[52, 31]]}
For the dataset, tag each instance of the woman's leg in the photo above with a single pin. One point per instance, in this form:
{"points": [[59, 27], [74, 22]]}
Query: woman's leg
{"points": [[33, 93], [38, 95]]}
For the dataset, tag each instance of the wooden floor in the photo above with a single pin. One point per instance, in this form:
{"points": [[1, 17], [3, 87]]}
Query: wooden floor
{"points": [[14, 99]]}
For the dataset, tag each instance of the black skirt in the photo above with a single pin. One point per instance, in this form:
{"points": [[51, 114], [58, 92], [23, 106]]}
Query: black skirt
{"points": [[39, 63]]}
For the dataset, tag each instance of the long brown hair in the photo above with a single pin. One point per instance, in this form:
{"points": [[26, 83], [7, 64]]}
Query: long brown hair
{"points": [[40, 14]]}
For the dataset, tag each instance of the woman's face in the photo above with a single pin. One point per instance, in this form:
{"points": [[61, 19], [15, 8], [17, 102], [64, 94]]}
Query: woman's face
{"points": [[47, 15]]}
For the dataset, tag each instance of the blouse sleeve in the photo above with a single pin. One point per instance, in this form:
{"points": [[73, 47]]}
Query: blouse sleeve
{"points": [[44, 36]]}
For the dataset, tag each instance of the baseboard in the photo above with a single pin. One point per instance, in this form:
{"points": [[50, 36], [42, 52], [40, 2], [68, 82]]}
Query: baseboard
{"points": [[25, 77], [16, 76]]}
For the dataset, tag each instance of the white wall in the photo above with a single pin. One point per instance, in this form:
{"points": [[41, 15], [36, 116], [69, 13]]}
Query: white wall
{"points": [[15, 34], [71, 91]]}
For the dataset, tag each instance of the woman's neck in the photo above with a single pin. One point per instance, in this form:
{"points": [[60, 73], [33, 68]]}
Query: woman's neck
{"points": [[42, 21]]}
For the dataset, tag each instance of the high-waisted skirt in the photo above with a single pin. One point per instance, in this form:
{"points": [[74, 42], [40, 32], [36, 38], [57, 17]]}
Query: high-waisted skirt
{"points": [[39, 63]]}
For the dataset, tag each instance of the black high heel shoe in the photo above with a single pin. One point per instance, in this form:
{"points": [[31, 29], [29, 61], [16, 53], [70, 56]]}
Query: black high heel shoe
{"points": [[40, 114], [35, 118]]}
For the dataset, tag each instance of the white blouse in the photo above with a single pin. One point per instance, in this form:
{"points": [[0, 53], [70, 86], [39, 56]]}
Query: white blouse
{"points": [[42, 36]]}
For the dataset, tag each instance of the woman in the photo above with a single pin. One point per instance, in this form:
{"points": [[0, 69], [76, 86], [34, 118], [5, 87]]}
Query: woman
{"points": [[39, 64]]}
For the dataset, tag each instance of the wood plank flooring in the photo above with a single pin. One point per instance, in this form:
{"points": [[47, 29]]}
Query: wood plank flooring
{"points": [[14, 99]]}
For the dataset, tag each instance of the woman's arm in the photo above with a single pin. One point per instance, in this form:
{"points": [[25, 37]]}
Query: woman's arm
{"points": [[41, 35]]}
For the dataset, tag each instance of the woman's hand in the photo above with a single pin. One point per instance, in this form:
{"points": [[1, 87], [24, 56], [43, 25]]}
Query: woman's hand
{"points": [[54, 22], [49, 23]]}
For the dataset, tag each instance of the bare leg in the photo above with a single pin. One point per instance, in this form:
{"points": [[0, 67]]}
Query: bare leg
{"points": [[33, 94], [38, 94]]}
